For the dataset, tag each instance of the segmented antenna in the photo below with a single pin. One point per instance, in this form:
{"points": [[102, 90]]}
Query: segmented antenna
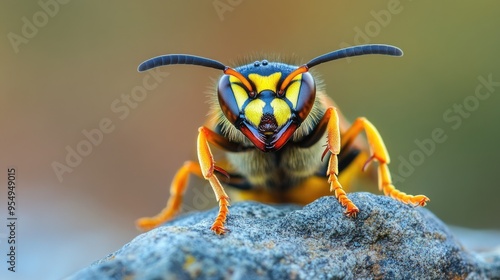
{"points": [[207, 62], [179, 59], [355, 51], [170, 59], [342, 53]]}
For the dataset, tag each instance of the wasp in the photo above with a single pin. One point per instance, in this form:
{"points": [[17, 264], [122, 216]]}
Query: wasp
{"points": [[283, 139]]}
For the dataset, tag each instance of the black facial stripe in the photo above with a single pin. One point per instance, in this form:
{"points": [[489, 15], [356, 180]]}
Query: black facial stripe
{"points": [[289, 103]]}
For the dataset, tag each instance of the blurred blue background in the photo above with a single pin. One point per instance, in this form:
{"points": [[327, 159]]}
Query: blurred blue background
{"points": [[70, 66]]}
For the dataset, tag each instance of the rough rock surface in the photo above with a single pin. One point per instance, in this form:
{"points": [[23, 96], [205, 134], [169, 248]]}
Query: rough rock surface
{"points": [[388, 240]]}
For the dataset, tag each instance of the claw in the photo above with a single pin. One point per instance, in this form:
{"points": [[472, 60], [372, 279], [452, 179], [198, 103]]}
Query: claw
{"points": [[218, 229], [327, 149], [423, 200], [367, 163], [352, 213], [221, 171]]}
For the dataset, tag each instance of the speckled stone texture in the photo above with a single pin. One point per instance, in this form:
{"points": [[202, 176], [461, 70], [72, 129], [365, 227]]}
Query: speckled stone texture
{"points": [[388, 240]]}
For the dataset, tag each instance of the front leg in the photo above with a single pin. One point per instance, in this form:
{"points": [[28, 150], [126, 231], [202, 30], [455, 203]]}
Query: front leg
{"points": [[205, 168], [333, 146], [207, 165]]}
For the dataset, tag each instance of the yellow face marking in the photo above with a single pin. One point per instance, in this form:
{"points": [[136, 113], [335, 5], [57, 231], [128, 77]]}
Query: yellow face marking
{"points": [[265, 82], [282, 111], [253, 111], [239, 91], [292, 91]]}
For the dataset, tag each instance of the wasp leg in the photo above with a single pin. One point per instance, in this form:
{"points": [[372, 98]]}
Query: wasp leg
{"points": [[177, 189], [205, 169], [208, 167], [379, 153], [333, 146]]}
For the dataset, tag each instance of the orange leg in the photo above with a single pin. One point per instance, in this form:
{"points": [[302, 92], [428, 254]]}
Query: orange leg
{"points": [[205, 169], [177, 189], [208, 167], [333, 146], [379, 153]]}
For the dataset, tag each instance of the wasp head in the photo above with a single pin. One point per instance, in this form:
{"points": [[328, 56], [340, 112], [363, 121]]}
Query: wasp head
{"points": [[267, 101]]}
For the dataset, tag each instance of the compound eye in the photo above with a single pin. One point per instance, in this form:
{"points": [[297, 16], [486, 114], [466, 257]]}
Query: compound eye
{"points": [[229, 95], [301, 92]]}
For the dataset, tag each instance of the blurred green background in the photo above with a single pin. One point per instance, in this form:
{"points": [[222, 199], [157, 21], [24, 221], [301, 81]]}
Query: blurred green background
{"points": [[67, 67]]}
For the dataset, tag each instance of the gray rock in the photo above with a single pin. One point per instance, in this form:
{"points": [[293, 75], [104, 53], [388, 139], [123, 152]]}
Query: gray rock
{"points": [[388, 240]]}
